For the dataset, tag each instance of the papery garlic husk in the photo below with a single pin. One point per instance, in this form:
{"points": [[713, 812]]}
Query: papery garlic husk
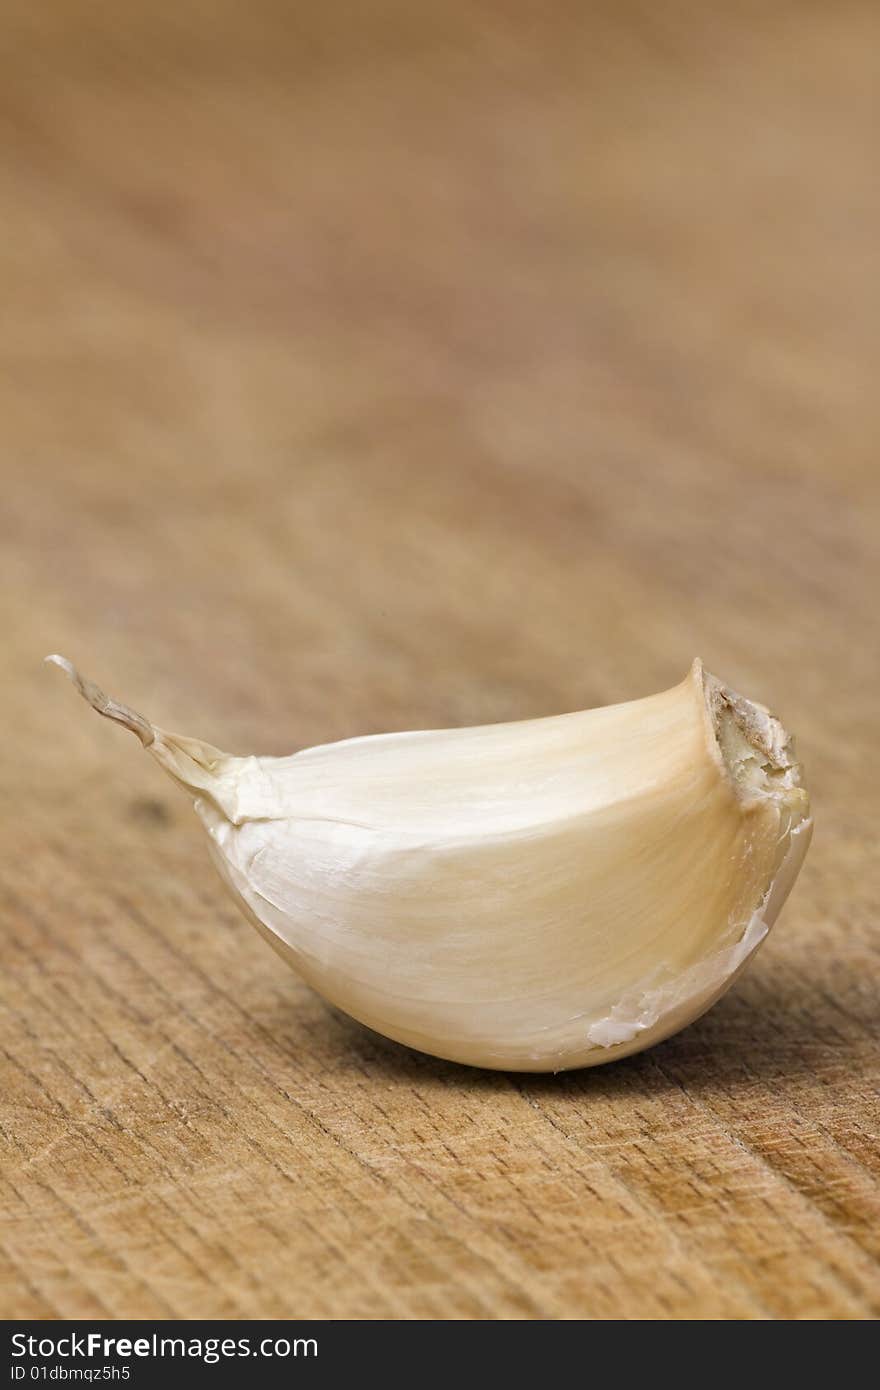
{"points": [[532, 896]]}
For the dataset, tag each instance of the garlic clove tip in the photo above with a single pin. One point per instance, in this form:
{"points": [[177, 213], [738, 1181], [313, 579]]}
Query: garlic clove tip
{"points": [[109, 708]]}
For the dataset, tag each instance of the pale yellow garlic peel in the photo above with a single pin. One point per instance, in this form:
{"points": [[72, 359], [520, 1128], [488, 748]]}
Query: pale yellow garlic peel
{"points": [[534, 896]]}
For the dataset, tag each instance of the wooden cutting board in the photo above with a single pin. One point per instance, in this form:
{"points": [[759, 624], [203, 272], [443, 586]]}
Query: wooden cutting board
{"points": [[407, 366]]}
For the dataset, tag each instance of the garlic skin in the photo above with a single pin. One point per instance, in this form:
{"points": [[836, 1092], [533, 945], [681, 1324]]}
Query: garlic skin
{"points": [[532, 896]]}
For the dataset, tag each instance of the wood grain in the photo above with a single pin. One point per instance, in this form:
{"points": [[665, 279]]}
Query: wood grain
{"points": [[395, 366]]}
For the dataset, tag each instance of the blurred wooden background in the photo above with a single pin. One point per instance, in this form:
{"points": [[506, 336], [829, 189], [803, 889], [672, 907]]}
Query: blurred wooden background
{"points": [[389, 365]]}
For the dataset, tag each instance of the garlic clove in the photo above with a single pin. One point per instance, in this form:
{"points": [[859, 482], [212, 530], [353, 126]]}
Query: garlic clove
{"points": [[540, 895]]}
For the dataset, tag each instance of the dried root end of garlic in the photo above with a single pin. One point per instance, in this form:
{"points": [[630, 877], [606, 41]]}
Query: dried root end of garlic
{"points": [[535, 896]]}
